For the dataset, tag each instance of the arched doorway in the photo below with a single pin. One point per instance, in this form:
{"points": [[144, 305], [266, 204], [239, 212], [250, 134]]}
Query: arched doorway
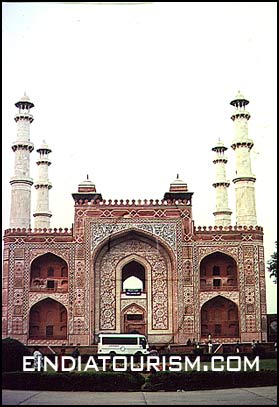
{"points": [[219, 317], [133, 276], [49, 273], [134, 320], [48, 320], [133, 257]]}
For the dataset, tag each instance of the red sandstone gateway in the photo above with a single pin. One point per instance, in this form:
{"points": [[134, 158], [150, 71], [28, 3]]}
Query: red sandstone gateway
{"points": [[65, 287]]}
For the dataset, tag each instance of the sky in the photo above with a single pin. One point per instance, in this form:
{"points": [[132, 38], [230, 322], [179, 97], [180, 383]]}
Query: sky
{"points": [[134, 94]]}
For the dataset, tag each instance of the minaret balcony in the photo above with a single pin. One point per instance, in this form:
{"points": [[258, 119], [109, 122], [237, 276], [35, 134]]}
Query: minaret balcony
{"points": [[242, 143], [21, 180], [43, 184], [220, 160], [221, 184], [241, 114], [222, 211], [43, 213], [43, 161], [245, 178], [22, 145], [24, 116]]}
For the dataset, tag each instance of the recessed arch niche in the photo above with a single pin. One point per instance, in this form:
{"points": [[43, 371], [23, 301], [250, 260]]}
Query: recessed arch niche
{"points": [[218, 271], [48, 320], [133, 254], [49, 273], [219, 317]]}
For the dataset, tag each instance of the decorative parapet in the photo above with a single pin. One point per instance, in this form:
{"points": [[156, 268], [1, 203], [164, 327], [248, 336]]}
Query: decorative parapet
{"points": [[228, 233], [36, 231], [228, 228], [133, 202], [163, 230]]}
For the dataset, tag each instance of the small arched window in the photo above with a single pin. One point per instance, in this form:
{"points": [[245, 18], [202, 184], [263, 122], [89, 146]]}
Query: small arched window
{"points": [[216, 271], [133, 276], [50, 272]]}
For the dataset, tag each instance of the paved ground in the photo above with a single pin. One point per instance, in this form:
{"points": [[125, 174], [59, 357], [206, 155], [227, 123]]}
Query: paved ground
{"points": [[245, 396]]}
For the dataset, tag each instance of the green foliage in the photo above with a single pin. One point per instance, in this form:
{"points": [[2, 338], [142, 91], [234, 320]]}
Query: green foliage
{"points": [[12, 355], [272, 265], [171, 381], [120, 381], [85, 381]]}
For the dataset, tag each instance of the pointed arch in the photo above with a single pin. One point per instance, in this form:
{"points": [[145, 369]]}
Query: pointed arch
{"points": [[108, 260], [218, 271], [47, 272], [133, 319], [133, 266], [123, 235], [48, 319], [220, 318]]}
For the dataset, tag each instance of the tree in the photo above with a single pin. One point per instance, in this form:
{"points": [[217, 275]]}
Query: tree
{"points": [[12, 355], [272, 265]]}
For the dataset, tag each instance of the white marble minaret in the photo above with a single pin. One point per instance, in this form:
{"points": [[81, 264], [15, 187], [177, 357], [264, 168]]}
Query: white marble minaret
{"points": [[20, 214], [222, 212], [42, 214], [244, 180]]}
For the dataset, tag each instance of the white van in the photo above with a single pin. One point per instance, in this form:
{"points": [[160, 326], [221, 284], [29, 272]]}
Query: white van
{"points": [[122, 344]]}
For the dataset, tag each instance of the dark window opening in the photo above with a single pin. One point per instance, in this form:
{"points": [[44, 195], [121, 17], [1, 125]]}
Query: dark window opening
{"points": [[216, 271], [134, 317], [217, 282], [119, 341], [50, 284], [50, 272], [134, 269]]}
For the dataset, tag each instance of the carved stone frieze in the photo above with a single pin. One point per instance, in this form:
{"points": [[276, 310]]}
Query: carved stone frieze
{"points": [[134, 307], [36, 297], [163, 230], [206, 296], [108, 275]]}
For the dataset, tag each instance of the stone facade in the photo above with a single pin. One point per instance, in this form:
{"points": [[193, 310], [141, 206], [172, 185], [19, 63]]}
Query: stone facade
{"points": [[67, 286], [21, 182], [107, 236]]}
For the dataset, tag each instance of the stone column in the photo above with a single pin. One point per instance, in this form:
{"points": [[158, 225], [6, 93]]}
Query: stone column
{"points": [[244, 180], [222, 212], [42, 214], [20, 214]]}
